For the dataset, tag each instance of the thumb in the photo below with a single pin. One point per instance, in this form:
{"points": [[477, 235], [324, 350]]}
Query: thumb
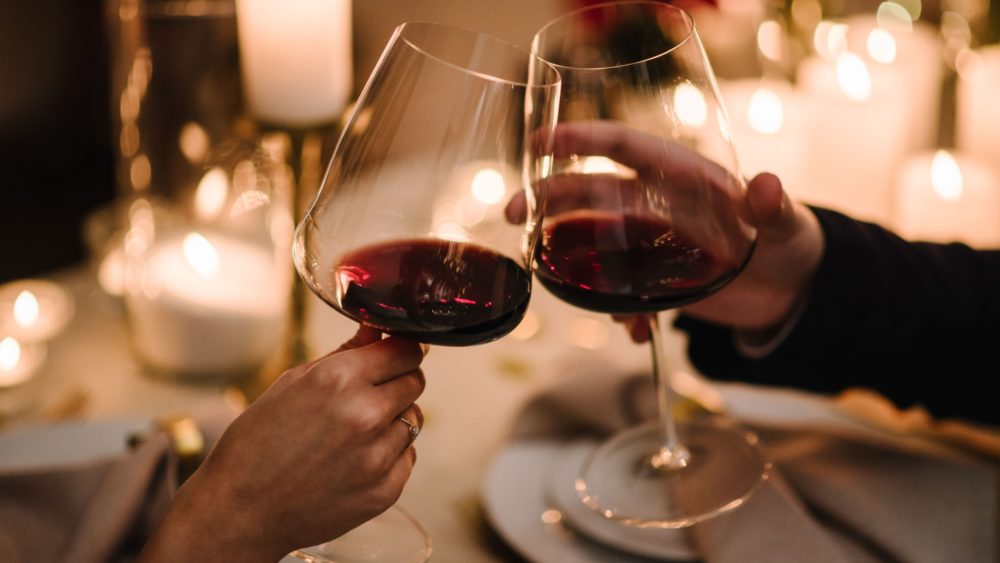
{"points": [[364, 336], [771, 207]]}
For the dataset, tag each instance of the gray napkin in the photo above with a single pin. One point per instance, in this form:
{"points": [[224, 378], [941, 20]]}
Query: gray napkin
{"points": [[96, 511], [837, 494]]}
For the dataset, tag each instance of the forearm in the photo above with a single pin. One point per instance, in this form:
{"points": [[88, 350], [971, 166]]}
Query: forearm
{"points": [[883, 313]]}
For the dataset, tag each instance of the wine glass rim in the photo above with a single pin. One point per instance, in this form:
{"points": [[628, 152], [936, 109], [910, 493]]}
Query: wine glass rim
{"points": [[613, 3], [553, 78]]}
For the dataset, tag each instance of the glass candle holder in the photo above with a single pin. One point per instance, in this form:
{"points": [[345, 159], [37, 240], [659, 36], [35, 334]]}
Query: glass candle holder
{"points": [[206, 284]]}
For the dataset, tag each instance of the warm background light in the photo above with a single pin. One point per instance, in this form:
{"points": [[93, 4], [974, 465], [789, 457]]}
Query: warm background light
{"points": [[201, 255], [26, 309], [210, 196], [946, 178]]}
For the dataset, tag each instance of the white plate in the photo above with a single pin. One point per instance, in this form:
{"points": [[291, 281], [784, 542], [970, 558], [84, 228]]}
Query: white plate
{"points": [[659, 544], [70, 443], [518, 488], [514, 495]]}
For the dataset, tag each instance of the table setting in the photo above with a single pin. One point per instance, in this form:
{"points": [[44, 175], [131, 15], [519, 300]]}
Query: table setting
{"points": [[544, 211], [817, 446]]}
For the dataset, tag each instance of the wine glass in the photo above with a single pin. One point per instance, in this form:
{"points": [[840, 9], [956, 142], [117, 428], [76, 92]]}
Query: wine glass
{"points": [[408, 233], [646, 212]]}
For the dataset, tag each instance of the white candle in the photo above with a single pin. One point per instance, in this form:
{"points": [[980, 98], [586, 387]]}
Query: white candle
{"points": [[859, 134], [978, 105], [207, 305], [945, 198], [296, 59], [34, 310], [770, 129], [18, 361], [916, 52]]}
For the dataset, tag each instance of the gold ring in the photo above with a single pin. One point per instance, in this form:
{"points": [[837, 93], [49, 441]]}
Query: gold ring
{"points": [[414, 429]]}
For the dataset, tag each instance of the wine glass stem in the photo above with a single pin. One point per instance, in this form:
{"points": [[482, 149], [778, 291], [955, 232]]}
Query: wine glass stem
{"points": [[672, 454]]}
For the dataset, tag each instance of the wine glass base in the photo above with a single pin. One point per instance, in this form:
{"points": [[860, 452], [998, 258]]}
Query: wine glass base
{"points": [[619, 481], [391, 537]]}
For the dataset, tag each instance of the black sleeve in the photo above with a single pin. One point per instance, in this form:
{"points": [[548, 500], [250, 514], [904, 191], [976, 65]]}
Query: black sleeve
{"points": [[916, 321]]}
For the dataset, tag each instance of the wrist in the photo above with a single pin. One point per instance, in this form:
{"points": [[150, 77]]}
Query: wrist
{"points": [[755, 344], [203, 524]]}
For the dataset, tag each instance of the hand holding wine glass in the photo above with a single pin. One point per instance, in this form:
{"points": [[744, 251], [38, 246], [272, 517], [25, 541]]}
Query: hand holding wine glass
{"points": [[789, 243], [662, 222], [320, 452]]}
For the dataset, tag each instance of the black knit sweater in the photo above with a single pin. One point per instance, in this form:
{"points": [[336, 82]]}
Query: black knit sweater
{"points": [[915, 321]]}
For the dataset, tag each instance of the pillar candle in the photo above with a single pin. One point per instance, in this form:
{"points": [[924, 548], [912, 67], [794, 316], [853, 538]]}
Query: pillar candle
{"points": [[978, 106], [944, 198], [916, 53], [769, 124], [859, 134], [296, 59]]}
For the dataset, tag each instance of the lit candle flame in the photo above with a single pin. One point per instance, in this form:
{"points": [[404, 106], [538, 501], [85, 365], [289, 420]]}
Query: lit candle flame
{"points": [[201, 255], [881, 46], [765, 113], [770, 40], [853, 77], [26, 309], [210, 197], [946, 177], [488, 186], [690, 105], [830, 39], [10, 353]]}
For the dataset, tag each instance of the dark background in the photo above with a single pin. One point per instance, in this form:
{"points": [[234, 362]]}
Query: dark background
{"points": [[56, 159]]}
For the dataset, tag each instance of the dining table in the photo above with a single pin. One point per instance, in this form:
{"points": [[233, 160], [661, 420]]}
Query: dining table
{"points": [[473, 398]]}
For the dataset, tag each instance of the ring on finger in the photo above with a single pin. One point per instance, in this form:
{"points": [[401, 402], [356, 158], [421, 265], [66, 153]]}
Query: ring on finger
{"points": [[413, 428]]}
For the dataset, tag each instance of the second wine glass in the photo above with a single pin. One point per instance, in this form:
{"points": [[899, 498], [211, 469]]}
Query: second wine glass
{"points": [[409, 233], [647, 213]]}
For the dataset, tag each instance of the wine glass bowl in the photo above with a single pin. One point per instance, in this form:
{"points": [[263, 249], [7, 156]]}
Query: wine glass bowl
{"points": [[646, 212], [408, 233]]}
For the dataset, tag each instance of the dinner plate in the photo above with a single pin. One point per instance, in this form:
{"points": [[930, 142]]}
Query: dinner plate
{"points": [[528, 516], [526, 479], [67, 443], [661, 544]]}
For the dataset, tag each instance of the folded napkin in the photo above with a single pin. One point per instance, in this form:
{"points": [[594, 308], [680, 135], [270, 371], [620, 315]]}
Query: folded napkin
{"points": [[841, 490], [99, 510]]}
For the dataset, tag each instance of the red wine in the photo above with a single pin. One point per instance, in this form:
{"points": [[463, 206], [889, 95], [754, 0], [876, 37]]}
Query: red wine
{"points": [[434, 291], [614, 263]]}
